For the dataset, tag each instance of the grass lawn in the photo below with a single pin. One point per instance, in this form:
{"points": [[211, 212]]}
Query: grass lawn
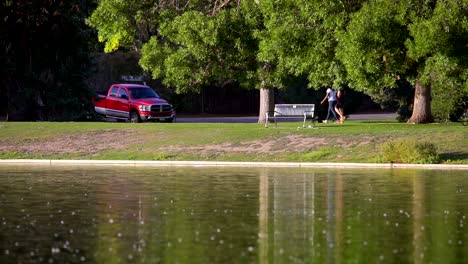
{"points": [[354, 141]]}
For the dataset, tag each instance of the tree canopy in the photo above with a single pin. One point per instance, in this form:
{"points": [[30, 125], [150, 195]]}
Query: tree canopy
{"points": [[196, 43], [422, 42], [365, 45], [196, 49], [301, 37], [373, 46], [187, 44]]}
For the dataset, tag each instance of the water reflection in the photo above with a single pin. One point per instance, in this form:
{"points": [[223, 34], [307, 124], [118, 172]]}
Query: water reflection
{"points": [[244, 215], [391, 216]]}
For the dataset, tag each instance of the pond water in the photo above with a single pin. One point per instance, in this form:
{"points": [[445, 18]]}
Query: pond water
{"points": [[232, 215]]}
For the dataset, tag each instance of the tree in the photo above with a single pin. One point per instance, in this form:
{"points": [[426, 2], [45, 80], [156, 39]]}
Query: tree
{"points": [[128, 25], [369, 45], [301, 36], [441, 41], [191, 43], [45, 58], [299, 39], [422, 42], [196, 49]]}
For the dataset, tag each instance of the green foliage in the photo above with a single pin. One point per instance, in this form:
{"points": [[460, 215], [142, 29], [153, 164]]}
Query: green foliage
{"points": [[372, 48], [443, 31], [447, 87], [369, 46], [440, 39], [124, 24], [386, 42], [187, 44], [196, 49], [112, 17], [300, 38], [410, 151]]}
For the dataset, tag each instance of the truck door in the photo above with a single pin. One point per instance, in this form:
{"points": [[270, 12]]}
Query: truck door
{"points": [[122, 104], [111, 109]]}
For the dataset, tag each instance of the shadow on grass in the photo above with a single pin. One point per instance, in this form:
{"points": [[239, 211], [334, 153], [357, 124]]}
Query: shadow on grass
{"points": [[454, 156]]}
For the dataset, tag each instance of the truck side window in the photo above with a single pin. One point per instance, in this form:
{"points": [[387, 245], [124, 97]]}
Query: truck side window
{"points": [[113, 92], [123, 92]]}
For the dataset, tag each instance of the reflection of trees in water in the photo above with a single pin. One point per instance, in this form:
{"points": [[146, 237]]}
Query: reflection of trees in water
{"points": [[139, 215], [263, 216], [418, 212], [286, 205], [349, 216], [338, 219], [219, 215]]}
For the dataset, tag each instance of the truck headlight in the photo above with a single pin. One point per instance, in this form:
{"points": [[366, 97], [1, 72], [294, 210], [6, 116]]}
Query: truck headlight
{"points": [[145, 108]]}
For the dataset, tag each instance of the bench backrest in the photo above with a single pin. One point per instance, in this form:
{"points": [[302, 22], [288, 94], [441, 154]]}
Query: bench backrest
{"points": [[294, 109]]}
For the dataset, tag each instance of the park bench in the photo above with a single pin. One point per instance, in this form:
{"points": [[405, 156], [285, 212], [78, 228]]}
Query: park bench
{"points": [[288, 111]]}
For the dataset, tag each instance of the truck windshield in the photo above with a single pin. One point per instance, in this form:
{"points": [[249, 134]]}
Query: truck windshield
{"points": [[141, 93]]}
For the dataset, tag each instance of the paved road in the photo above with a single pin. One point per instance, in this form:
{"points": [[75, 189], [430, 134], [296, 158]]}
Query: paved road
{"points": [[254, 119]]}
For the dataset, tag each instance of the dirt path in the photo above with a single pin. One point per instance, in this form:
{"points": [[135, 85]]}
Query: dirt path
{"points": [[94, 142], [86, 143]]}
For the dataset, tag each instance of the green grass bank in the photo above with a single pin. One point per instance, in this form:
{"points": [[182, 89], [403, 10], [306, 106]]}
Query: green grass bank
{"points": [[353, 141]]}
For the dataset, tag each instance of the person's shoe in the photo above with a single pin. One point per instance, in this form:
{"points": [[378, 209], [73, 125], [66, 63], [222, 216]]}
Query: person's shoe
{"points": [[325, 121]]}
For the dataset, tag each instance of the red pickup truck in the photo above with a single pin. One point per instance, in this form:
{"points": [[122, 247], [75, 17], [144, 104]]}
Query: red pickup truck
{"points": [[134, 102]]}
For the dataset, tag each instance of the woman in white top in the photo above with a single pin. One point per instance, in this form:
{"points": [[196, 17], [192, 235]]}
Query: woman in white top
{"points": [[331, 96]]}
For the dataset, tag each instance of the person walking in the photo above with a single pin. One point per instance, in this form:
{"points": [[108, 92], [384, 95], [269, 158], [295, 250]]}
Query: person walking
{"points": [[331, 97], [339, 104]]}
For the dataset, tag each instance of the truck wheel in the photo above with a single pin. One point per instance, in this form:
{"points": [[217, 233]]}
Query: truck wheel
{"points": [[134, 117]]}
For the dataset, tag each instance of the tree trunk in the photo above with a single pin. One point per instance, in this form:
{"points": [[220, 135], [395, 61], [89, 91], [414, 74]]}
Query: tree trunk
{"points": [[422, 105], [267, 103]]}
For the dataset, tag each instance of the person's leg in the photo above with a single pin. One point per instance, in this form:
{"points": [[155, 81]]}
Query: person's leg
{"points": [[332, 105], [326, 118], [339, 109], [342, 113], [328, 112], [339, 112]]}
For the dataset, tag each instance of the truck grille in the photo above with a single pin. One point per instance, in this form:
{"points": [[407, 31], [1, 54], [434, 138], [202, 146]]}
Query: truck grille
{"points": [[161, 108]]}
